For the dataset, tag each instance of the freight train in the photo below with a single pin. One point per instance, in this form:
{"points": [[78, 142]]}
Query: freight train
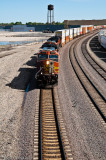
{"points": [[48, 56]]}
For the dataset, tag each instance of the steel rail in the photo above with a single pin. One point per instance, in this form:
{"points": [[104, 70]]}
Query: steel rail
{"points": [[40, 127], [58, 130], [73, 50]]}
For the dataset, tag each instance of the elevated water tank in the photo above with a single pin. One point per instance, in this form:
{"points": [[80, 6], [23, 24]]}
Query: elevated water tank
{"points": [[50, 14], [50, 7]]}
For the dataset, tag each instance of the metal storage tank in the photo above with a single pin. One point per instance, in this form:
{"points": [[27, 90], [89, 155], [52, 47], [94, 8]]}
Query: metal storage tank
{"points": [[50, 7], [50, 14]]}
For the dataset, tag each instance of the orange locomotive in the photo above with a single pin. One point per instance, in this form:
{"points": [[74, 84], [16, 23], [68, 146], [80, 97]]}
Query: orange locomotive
{"points": [[49, 45], [56, 40], [47, 67]]}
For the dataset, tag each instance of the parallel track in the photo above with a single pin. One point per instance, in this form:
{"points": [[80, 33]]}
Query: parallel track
{"points": [[50, 143], [93, 63], [96, 97]]}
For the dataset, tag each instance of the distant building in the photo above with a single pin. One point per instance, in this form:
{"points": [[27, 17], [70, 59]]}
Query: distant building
{"points": [[22, 28], [40, 28], [68, 23], [29, 28], [5, 28]]}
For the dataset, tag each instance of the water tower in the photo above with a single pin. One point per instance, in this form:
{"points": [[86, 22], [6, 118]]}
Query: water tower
{"points": [[50, 14]]}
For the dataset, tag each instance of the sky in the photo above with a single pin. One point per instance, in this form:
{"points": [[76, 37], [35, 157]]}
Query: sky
{"points": [[36, 10]]}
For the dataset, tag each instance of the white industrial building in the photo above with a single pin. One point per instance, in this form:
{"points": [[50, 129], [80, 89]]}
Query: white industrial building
{"points": [[22, 28]]}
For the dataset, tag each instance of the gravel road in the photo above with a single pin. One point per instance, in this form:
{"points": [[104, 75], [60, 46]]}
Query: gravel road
{"points": [[85, 131]]}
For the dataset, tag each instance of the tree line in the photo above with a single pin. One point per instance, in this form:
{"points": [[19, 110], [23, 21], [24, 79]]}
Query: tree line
{"points": [[29, 23]]}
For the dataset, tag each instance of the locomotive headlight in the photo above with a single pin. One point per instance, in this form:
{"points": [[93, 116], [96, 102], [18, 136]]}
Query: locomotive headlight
{"points": [[47, 62]]}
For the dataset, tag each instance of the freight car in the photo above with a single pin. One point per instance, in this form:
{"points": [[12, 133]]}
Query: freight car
{"points": [[47, 67], [71, 33], [102, 38]]}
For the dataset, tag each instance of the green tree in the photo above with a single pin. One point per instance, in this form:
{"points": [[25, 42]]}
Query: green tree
{"points": [[11, 24], [29, 23], [18, 23]]}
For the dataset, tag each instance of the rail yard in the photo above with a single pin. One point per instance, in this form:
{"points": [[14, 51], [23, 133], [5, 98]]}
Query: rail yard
{"points": [[62, 121]]}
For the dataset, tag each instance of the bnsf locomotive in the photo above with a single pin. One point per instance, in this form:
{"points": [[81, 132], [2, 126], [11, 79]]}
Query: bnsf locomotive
{"points": [[49, 45], [47, 67], [48, 62], [56, 40]]}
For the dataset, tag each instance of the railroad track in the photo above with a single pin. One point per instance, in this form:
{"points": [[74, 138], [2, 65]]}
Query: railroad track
{"points": [[101, 71], [50, 137], [50, 142], [96, 97]]}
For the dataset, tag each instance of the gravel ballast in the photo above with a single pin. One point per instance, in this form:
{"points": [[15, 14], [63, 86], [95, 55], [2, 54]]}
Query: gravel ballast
{"points": [[86, 133], [16, 68]]}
